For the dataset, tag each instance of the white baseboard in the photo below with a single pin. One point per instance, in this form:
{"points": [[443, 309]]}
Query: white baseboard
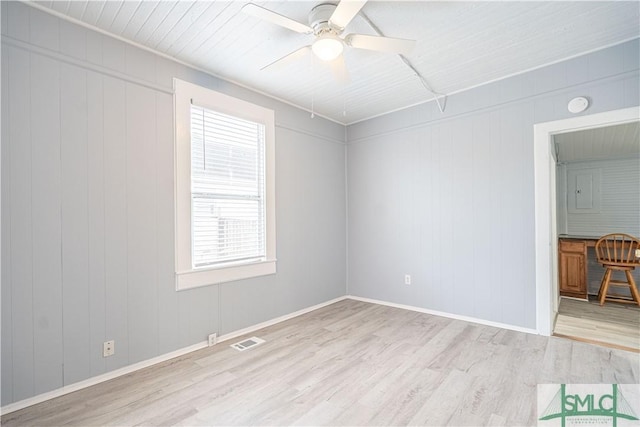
{"points": [[146, 363], [254, 328], [12, 407], [444, 314], [99, 378]]}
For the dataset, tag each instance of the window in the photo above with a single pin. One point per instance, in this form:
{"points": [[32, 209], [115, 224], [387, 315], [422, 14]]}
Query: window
{"points": [[227, 188], [225, 224]]}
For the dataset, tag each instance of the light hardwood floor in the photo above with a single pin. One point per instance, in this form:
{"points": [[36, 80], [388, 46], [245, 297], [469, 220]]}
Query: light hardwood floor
{"points": [[612, 324], [350, 363]]}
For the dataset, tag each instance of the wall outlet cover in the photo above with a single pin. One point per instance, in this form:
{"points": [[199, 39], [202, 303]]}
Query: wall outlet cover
{"points": [[108, 348], [212, 339]]}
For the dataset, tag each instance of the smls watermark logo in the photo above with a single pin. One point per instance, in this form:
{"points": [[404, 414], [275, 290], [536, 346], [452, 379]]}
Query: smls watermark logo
{"points": [[564, 405]]}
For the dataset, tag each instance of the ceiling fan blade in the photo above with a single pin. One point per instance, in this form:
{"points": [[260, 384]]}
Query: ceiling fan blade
{"points": [[288, 58], [276, 18], [339, 69], [345, 12], [381, 44]]}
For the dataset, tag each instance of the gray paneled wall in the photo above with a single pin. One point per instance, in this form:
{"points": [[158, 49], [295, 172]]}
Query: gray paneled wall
{"points": [[619, 210], [88, 209], [449, 198]]}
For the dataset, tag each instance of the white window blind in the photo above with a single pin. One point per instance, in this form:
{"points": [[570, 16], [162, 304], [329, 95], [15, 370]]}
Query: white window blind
{"points": [[227, 189]]}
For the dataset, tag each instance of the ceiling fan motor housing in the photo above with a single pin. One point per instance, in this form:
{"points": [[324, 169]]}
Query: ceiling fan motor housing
{"points": [[319, 19]]}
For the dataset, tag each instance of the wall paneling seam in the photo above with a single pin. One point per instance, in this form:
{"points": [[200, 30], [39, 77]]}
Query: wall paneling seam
{"points": [[9, 41], [31, 48], [494, 107], [311, 134]]}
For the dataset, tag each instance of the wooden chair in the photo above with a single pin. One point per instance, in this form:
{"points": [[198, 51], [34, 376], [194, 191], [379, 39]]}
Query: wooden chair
{"points": [[618, 252]]}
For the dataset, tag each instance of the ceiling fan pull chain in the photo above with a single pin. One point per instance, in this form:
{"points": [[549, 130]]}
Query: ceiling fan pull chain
{"points": [[313, 98], [313, 90], [344, 102]]}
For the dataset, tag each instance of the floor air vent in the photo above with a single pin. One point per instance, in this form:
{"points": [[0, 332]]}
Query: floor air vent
{"points": [[247, 344]]}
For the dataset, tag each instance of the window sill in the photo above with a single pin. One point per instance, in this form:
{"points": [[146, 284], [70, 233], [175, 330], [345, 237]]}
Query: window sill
{"points": [[213, 276]]}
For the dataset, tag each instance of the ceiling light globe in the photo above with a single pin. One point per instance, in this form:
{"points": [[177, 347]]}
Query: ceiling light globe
{"points": [[327, 47]]}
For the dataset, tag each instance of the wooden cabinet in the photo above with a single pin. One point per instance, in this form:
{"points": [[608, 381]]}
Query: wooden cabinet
{"points": [[573, 268]]}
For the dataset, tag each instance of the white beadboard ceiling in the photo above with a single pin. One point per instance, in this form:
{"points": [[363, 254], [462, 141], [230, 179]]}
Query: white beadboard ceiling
{"points": [[611, 142], [459, 44]]}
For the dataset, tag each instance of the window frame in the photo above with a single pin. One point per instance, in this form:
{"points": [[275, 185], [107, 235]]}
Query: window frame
{"points": [[187, 276]]}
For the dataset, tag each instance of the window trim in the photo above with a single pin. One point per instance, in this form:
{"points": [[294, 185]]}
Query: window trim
{"points": [[186, 276]]}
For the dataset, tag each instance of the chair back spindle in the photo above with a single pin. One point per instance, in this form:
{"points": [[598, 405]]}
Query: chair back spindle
{"points": [[618, 252]]}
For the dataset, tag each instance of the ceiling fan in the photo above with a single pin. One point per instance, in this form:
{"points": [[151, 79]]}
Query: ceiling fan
{"points": [[327, 21]]}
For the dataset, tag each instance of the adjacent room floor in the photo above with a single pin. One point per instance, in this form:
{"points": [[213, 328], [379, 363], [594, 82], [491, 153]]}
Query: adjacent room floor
{"points": [[616, 325], [350, 363]]}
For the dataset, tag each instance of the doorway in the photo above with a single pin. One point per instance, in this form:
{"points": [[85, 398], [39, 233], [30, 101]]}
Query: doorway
{"points": [[546, 234]]}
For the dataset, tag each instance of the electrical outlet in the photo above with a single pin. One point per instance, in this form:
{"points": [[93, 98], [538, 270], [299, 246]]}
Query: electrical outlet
{"points": [[213, 339], [108, 348], [637, 253], [407, 279]]}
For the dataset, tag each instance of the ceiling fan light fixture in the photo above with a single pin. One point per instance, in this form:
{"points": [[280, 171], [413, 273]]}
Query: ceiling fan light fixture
{"points": [[327, 47]]}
